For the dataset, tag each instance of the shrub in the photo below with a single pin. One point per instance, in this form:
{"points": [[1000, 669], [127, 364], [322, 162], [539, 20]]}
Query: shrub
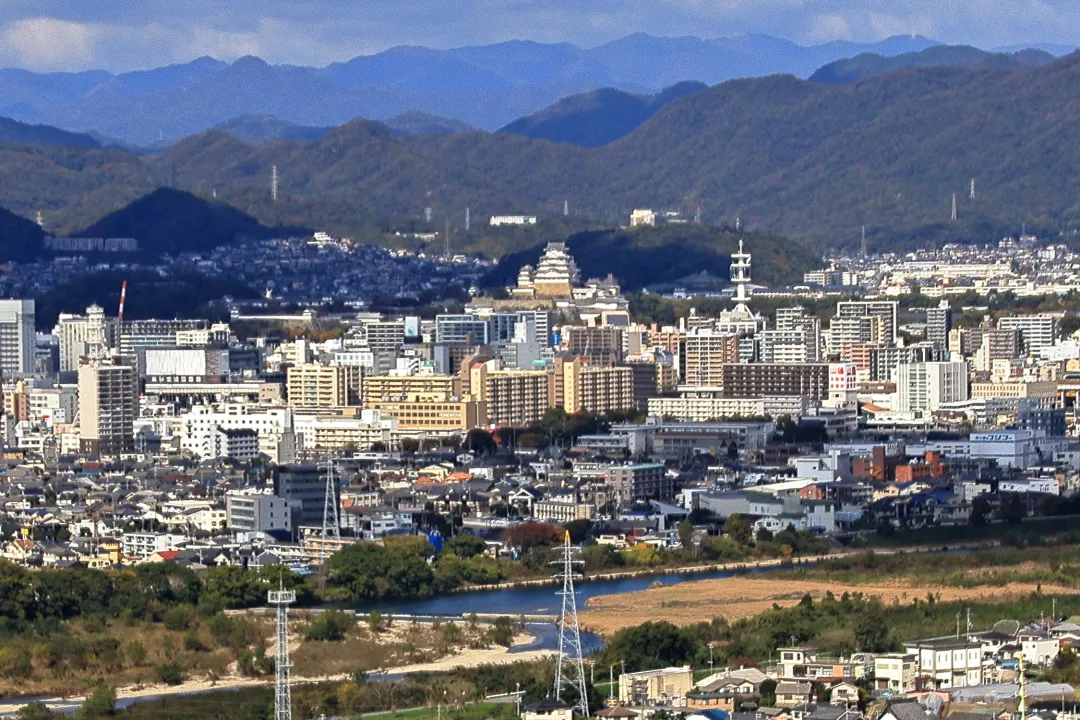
{"points": [[330, 626], [170, 674], [179, 617]]}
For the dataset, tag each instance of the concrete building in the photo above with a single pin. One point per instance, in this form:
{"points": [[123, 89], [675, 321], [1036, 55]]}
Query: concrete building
{"points": [[596, 389], [108, 406], [705, 353], [259, 513], [650, 687], [240, 444], [274, 428], [17, 336], [306, 486], [888, 310], [342, 432], [461, 329], [512, 397], [1036, 331], [948, 662], [598, 346], [139, 334], [385, 388], [644, 481], [750, 380], [924, 387], [313, 386], [75, 333], [938, 326]]}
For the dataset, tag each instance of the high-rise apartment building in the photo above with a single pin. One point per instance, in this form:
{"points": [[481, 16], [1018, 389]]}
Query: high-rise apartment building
{"points": [[705, 354], [601, 346], [587, 388], [17, 336], [323, 386], [512, 397], [888, 310], [138, 334], [461, 329], [108, 406], [938, 325], [1036, 331]]}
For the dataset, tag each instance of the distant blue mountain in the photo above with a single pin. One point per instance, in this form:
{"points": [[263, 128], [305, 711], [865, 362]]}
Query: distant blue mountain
{"points": [[485, 86]]}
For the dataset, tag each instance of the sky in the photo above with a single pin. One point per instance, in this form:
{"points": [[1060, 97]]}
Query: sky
{"points": [[120, 35]]}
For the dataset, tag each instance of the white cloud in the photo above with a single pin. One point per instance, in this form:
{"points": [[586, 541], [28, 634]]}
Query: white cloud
{"points": [[46, 43], [824, 28]]}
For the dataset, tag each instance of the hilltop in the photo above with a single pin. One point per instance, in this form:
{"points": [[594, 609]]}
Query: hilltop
{"points": [[170, 221], [13, 131], [20, 239], [870, 64], [598, 117]]}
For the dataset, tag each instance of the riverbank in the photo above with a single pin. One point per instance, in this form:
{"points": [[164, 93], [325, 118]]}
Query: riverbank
{"points": [[742, 597]]}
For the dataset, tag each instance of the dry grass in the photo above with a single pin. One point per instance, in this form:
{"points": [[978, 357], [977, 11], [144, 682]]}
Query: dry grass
{"points": [[734, 598]]}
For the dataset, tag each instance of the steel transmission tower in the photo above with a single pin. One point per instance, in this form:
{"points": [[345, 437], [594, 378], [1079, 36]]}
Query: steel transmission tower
{"points": [[331, 524], [569, 667], [282, 598]]}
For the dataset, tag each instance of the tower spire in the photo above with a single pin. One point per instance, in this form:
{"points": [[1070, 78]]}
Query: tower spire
{"points": [[569, 667]]}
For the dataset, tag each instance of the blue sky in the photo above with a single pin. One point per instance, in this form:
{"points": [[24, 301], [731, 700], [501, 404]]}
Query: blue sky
{"points": [[130, 34]]}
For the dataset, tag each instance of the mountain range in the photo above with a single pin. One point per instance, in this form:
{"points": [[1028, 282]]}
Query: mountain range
{"points": [[869, 64], [485, 87], [807, 160]]}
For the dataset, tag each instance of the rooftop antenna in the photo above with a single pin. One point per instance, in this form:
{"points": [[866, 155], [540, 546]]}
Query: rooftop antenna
{"points": [[569, 667], [972, 188], [954, 206], [273, 183], [331, 524], [282, 598]]}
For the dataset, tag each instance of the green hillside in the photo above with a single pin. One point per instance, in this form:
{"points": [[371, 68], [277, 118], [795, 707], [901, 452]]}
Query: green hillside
{"points": [[805, 160], [869, 64], [651, 256], [598, 117], [20, 239], [169, 221]]}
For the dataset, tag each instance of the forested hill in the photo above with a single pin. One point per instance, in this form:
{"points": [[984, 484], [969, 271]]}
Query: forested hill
{"points": [[20, 239], [869, 64], [794, 158], [171, 221], [651, 256]]}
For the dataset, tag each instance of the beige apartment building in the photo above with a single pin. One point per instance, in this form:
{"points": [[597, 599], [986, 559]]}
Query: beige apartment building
{"points": [[314, 387], [385, 388], [596, 389], [705, 354], [512, 397], [108, 406]]}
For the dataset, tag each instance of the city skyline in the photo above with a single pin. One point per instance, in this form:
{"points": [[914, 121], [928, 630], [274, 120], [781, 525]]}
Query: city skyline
{"points": [[139, 34]]}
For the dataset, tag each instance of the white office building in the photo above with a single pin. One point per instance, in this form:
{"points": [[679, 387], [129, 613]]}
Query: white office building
{"points": [[16, 336], [924, 387]]}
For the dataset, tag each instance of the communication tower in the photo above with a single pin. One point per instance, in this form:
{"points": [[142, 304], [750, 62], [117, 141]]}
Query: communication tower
{"points": [[740, 276], [862, 246], [273, 183], [282, 598], [569, 666], [954, 206], [565, 207], [972, 188], [466, 219]]}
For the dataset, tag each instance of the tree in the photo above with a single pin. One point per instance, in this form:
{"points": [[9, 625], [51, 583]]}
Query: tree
{"points": [[479, 442], [36, 710], [1013, 509], [396, 569], [528, 536], [686, 533], [330, 626], [872, 630], [980, 511], [738, 528], [733, 451], [651, 645], [465, 546]]}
